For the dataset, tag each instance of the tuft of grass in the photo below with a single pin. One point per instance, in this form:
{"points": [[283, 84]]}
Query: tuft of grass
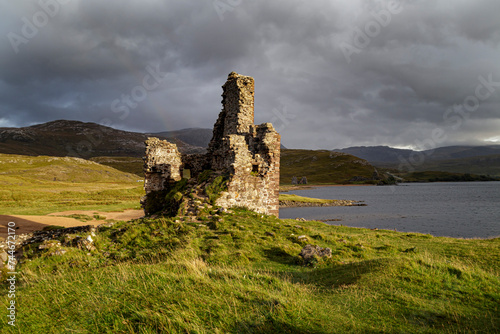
{"points": [[214, 189]]}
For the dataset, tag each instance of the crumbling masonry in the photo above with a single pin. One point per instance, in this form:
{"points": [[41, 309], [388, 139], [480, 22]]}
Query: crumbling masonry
{"points": [[246, 155]]}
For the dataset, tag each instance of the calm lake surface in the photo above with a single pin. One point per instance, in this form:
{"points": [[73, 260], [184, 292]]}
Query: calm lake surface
{"points": [[459, 210]]}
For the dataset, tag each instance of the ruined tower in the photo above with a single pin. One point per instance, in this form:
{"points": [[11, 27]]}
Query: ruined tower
{"points": [[247, 154]]}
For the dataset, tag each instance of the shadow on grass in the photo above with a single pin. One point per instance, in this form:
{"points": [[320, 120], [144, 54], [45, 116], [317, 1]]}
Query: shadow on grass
{"points": [[279, 255], [335, 276], [270, 325]]}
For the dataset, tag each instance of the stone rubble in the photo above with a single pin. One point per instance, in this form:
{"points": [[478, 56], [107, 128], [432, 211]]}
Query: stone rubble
{"points": [[310, 252], [48, 240]]}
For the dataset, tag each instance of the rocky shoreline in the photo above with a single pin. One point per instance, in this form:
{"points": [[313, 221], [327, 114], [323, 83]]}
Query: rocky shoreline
{"points": [[296, 204]]}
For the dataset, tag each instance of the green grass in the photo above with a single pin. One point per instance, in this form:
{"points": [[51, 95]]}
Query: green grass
{"points": [[41, 185], [240, 273]]}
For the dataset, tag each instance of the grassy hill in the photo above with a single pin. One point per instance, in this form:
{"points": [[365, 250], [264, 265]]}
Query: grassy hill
{"points": [[40, 185], [324, 167], [240, 273]]}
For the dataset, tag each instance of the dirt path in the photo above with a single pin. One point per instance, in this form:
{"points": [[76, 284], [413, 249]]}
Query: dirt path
{"points": [[28, 224]]}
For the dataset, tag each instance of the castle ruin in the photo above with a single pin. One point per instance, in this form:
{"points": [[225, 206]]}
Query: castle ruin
{"points": [[245, 155]]}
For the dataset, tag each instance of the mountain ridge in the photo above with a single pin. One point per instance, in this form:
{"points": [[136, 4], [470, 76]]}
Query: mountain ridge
{"points": [[78, 139]]}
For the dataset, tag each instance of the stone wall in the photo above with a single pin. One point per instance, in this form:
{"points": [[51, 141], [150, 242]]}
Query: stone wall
{"points": [[162, 165], [247, 154]]}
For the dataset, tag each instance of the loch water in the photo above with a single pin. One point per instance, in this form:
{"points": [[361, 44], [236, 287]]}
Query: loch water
{"points": [[452, 209]]}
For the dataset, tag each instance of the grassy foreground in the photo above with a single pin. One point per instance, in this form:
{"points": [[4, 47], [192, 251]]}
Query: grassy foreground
{"points": [[240, 273]]}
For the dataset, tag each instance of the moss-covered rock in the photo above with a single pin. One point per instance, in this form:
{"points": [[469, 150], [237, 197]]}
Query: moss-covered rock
{"points": [[166, 202]]}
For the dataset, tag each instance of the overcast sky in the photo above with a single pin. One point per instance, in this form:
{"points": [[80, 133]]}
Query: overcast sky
{"points": [[328, 73]]}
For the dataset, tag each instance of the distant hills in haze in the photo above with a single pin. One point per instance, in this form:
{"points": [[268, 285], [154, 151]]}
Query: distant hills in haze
{"points": [[389, 155], [455, 159]]}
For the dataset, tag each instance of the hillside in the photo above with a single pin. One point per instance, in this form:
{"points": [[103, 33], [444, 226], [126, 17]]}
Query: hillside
{"points": [[124, 164], [73, 138], [325, 167], [40, 185], [42, 169]]}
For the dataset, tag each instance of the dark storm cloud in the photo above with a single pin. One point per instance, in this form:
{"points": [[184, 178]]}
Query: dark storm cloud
{"points": [[158, 65]]}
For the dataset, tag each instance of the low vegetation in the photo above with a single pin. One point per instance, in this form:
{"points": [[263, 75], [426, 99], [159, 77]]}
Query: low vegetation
{"points": [[239, 272]]}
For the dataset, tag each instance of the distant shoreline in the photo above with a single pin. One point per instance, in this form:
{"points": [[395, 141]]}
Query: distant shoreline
{"points": [[334, 202], [294, 201], [286, 188]]}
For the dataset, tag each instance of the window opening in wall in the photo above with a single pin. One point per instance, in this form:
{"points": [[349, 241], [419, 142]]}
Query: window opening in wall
{"points": [[255, 169]]}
